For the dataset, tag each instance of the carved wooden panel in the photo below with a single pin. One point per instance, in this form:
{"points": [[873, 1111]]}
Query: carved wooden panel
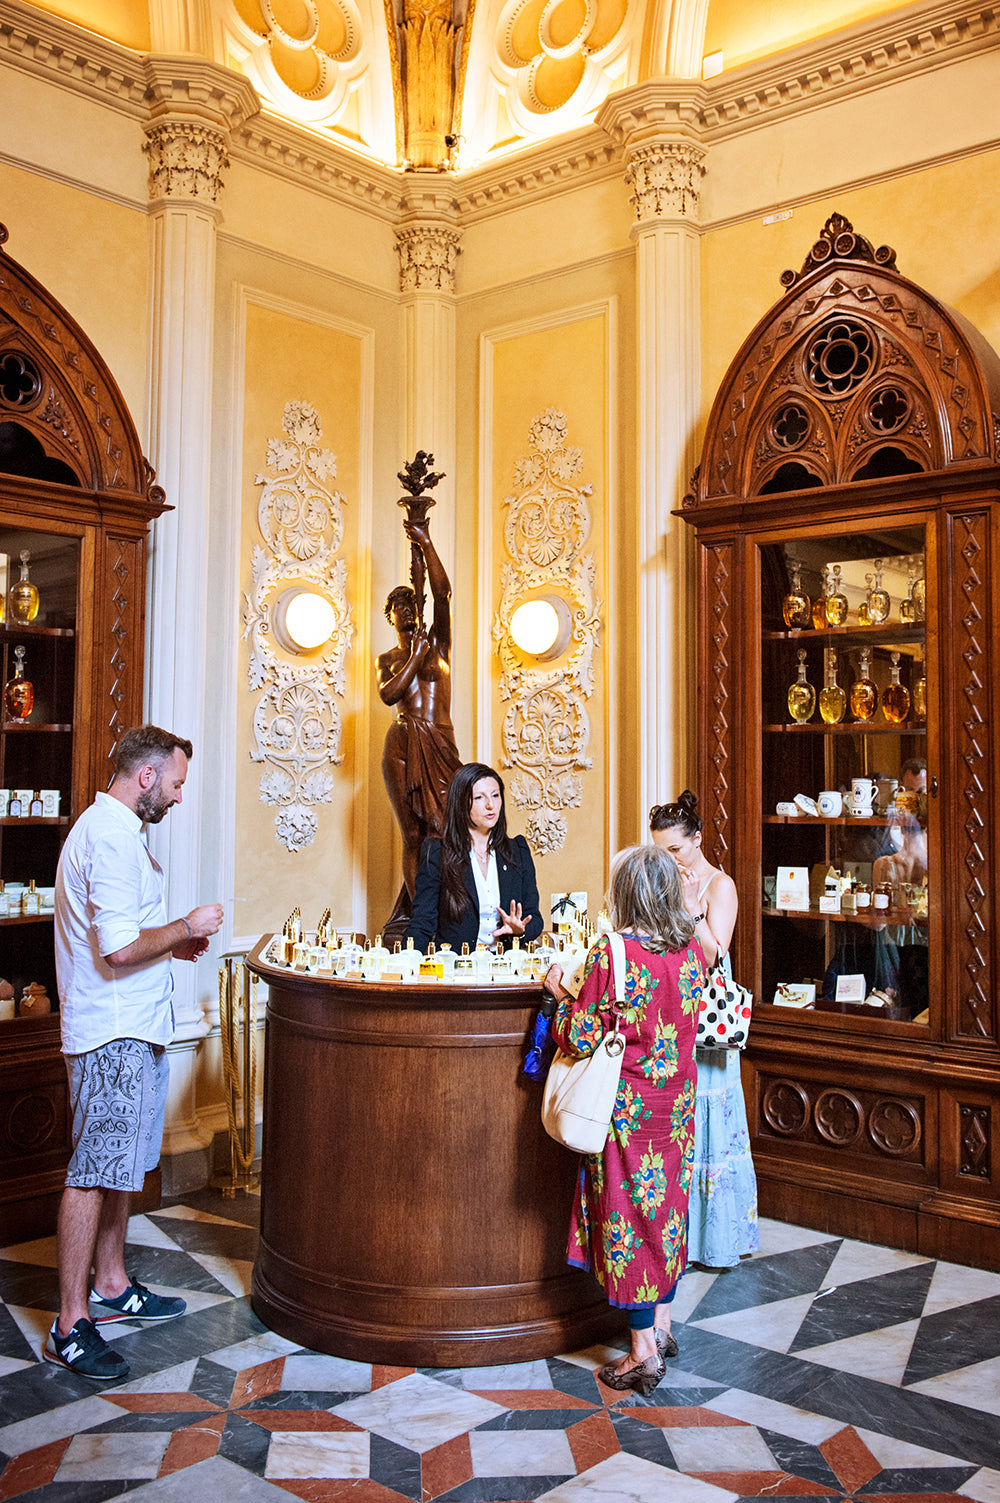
{"points": [[975, 1124], [121, 592], [869, 1123], [717, 563]]}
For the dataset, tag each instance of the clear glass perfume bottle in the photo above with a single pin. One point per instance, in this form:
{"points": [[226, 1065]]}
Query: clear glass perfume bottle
{"points": [[832, 699], [22, 598], [864, 617], [878, 598], [907, 609], [835, 605], [896, 696], [19, 692], [864, 693], [920, 594], [796, 607], [801, 694], [920, 691], [819, 604]]}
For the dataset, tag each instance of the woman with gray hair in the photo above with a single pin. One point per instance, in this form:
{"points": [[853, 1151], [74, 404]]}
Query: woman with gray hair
{"points": [[628, 1225]]}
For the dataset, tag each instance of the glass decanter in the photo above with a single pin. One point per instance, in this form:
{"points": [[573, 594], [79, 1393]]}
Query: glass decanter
{"points": [[19, 692], [864, 694], [878, 599], [22, 598], [819, 604], [896, 697], [907, 607], [801, 694], [796, 607], [835, 604], [920, 692], [832, 699], [919, 595]]}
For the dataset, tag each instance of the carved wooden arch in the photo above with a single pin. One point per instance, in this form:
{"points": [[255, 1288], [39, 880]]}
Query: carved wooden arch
{"points": [[56, 387], [852, 362]]}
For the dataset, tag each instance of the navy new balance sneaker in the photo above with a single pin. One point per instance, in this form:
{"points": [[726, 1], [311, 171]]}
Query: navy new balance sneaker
{"points": [[85, 1352], [137, 1303]]}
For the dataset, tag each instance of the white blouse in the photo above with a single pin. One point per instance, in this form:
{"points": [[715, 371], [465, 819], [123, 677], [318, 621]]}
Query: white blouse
{"points": [[488, 888]]}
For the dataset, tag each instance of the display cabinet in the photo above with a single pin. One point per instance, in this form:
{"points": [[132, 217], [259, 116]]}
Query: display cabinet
{"points": [[846, 511], [76, 498]]}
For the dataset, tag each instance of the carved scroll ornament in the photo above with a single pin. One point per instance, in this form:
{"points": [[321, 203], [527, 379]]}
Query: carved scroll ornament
{"points": [[546, 729], [297, 724]]}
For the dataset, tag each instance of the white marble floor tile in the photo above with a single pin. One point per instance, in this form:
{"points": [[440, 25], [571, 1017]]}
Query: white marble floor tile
{"points": [[631, 1479], [521, 1453], [418, 1412], [56, 1424], [512, 1375], [39, 1254], [723, 1448], [690, 1292], [311, 1371], [779, 1237], [216, 1479], [130, 1457], [256, 1349], [176, 1379], [145, 1233], [774, 1326], [862, 1260], [901, 1453], [593, 1357], [953, 1285], [188, 1213], [318, 1453], [233, 1274], [33, 1324], [12, 1365], [770, 1414], [881, 1355], [984, 1487], [977, 1386]]}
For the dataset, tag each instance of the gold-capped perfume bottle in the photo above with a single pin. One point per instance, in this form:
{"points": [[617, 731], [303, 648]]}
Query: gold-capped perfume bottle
{"points": [[832, 699], [878, 598], [796, 607], [864, 693], [801, 694], [19, 692], [835, 605], [896, 696], [22, 597]]}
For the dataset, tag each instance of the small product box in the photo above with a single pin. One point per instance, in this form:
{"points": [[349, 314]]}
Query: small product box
{"points": [[50, 802], [4, 801]]}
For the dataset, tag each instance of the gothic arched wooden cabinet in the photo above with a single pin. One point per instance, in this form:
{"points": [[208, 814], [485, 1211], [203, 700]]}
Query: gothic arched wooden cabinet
{"points": [[847, 510], [76, 500]]}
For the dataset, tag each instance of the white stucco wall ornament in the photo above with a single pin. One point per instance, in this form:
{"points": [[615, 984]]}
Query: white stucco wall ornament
{"points": [[296, 725], [546, 729]]}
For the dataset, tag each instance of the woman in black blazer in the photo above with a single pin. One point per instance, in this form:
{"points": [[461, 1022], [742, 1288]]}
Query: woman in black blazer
{"points": [[475, 885]]}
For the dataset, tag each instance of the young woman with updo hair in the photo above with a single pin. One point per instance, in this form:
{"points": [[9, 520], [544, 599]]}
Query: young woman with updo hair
{"points": [[722, 1210]]}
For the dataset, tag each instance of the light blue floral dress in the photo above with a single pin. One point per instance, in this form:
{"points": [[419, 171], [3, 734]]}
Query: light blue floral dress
{"points": [[722, 1209]]}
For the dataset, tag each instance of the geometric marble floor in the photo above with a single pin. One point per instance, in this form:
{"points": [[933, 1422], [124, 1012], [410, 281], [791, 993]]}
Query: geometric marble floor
{"points": [[819, 1369]]}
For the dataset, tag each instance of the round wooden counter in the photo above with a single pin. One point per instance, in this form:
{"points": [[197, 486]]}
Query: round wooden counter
{"points": [[413, 1211]]}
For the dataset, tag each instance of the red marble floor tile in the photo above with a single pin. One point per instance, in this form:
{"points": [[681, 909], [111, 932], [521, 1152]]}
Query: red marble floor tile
{"points": [[187, 1447], [768, 1485], [257, 1382], [32, 1468], [341, 1490], [681, 1418], [532, 1398], [445, 1467], [297, 1419], [162, 1403], [592, 1440], [849, 1459], [383, 1375]]}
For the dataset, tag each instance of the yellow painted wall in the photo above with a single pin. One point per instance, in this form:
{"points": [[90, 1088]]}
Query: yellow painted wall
{"points": [[125, 21], [289, 358], [747, 29]]}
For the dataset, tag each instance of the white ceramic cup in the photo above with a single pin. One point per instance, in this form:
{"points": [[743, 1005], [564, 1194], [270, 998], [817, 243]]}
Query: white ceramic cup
{"points": [[863, 794], [830, 803]]}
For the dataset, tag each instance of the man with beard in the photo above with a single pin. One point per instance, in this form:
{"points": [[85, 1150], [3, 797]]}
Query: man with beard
{"points": [[114, 948]]}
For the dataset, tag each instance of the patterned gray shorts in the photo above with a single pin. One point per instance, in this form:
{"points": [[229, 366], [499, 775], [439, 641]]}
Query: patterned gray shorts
{"points": [[117, 1096]]}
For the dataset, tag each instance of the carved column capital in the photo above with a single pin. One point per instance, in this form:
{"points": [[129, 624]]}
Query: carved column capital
{"points": [[665, 178], [427, 257], [193, 107], [186, 160]]}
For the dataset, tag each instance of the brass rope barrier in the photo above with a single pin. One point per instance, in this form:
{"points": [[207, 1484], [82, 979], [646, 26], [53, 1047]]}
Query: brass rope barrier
{"points": [[238, 1012]]}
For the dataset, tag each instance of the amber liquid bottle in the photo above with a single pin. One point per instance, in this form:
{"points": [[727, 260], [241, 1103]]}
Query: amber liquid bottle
{"points": [[819, 604], [832, 699], [835, 604], [864, 693], [801, 694], [19, 692], [22, 598], [896, 697], [796, 607]]}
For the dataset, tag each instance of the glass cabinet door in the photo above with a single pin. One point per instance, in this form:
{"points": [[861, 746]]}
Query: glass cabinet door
{"points": [[846, 878]]}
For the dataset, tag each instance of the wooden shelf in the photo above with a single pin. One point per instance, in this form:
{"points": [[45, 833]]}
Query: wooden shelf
{"points": [[851, 634], [847, 728], [868, 821], [28, 918], [14, 820], [868, 919], [22, 629], [13, 726]]}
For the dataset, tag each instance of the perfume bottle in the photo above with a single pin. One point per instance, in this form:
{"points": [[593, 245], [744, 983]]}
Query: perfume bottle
{"points": [[896, 697], [796, 606], [907, 607], [864, 694], [878, 599], [801, 694], [920, 691], [832, 699], [22, 598], [835, 604], [19, 692], [819, 604], [919, 596]]}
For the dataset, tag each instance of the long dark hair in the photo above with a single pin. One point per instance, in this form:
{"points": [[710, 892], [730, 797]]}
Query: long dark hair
{"points": [[456, 842], [683, 815]]}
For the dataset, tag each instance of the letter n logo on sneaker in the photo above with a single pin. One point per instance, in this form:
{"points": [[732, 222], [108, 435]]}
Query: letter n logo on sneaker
{"points": [[71, 1354], [133, 1303]]}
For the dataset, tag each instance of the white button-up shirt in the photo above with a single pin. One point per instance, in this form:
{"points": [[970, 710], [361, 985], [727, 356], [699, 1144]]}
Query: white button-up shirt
{"points": [[108, 888]]}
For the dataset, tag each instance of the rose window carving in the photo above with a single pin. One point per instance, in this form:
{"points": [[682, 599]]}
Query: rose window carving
{"points": [[839, 1117], [894, 1127], [786, 1108], [790, 426], [840, 357], [20, 382], [888, 409]]}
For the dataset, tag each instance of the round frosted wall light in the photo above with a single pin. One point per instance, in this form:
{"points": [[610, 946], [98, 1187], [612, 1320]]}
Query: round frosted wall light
{"points": [[303, 619], [541, 628]]}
